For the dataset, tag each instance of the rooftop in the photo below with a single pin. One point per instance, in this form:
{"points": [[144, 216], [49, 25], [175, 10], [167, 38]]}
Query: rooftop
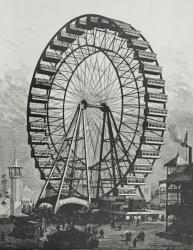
{"points": [[176, 161], [182, 177]]}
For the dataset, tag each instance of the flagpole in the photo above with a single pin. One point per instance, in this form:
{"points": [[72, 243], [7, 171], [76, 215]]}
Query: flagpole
{"points": [[185, 144], [186, 154]]}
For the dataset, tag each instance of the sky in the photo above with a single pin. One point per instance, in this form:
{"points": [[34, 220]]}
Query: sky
{"points": [[27, 26]]}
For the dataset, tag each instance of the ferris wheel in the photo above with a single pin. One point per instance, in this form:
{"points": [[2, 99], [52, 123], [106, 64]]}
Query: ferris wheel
{"points": [[96, 110]]}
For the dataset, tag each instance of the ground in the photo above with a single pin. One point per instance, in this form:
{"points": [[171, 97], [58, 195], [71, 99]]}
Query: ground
{"points": [[115, 239]]}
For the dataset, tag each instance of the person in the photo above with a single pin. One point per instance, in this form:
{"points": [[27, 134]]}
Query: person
{"points": [[128, 236], [94, 231], [101, 234], [137, 221], [41, 231], [139, 237], [134, 243], [112, 223], [142, 233]]}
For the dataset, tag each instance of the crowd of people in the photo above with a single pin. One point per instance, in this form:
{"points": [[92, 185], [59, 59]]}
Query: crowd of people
{"points": [[117, 224], [139, 238], [79, 220]]}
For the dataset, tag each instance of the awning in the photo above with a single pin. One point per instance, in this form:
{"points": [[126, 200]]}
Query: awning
{"points": [[148, 212]]}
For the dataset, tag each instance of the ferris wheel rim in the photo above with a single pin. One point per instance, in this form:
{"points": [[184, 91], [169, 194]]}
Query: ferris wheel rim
{"points": [[145, 117]]}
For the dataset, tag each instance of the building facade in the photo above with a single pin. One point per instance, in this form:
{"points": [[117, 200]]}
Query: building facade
{"points": [[162, 195], [179, 196]]}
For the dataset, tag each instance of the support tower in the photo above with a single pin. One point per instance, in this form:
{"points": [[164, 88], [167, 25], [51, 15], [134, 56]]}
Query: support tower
{"points": [[15, 174]]}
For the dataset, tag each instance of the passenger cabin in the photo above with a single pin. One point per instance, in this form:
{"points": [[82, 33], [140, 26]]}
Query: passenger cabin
{"points": [[138, 44], [156, 112], [45, 164], [152, 140], [41, 83], [150, 69], [93, 21], [39, 140], [121, 24], [114, 27], [123, 27], [37, 98], [154, 83], [52, 57], [104, 23], [145, 56], [67, 37], [46, 69], [129, 33], [149, 154], [82, 23], [72, 29], [157, 98], [38, 112], [59, 45], [41, 153], [158, 126], [38, 127], [127, 191], [132, 180], [143, 168]]}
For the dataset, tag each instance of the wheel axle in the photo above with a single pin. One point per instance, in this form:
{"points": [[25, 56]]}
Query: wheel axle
{"points": [[103, 107]]}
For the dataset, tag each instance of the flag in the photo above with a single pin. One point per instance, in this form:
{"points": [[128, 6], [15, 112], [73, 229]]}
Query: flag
{"points": [[185, 142]]}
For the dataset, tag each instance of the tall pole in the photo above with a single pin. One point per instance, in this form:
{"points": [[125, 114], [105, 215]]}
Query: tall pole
{"points": [[73, 161], [86, 158], [101, 155], [68, 159], [112, 156]]}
